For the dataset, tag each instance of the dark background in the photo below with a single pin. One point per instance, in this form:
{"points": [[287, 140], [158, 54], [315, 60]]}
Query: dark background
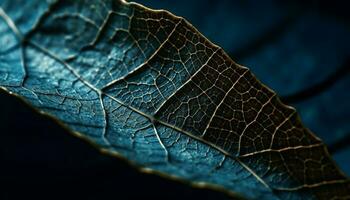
{"points": [[300, 49]]}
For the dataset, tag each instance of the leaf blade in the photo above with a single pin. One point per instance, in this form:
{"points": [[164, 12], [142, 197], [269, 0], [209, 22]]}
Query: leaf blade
{"points": [[162, 131]]}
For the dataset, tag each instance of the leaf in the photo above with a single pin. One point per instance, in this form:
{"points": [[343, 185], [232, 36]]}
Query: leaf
{"points": [[147, 86]]}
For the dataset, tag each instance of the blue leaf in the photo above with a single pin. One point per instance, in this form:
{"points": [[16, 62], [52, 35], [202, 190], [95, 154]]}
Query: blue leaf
{"points": [[147, 86]]}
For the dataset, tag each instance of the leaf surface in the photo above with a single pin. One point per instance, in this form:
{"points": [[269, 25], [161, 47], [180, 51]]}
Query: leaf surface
{"points": [[146, 85]]}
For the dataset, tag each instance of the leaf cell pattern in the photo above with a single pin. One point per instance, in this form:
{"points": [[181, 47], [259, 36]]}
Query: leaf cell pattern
{"points": [[146, 85]]}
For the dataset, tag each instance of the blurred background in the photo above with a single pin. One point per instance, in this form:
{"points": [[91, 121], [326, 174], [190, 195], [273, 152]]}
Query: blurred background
{"points": [[300, 49]]}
